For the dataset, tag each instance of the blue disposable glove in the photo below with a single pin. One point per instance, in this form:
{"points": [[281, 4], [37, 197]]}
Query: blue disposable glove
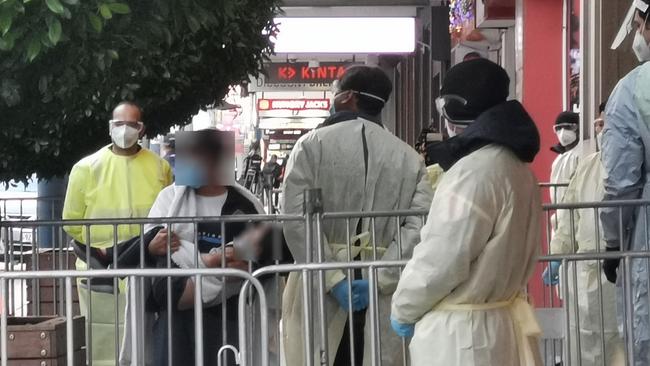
{"points": [[360, 293], [551, 275], [402, 330], [341, 293]]}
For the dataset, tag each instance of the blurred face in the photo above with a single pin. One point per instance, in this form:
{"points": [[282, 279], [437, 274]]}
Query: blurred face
{"points": [[210, 166], [204, 158], [197, 170]]}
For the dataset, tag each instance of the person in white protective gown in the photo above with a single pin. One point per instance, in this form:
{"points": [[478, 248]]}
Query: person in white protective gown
{"points": [[565, 164], [626, 156], [460, 296], [600, 341], [359, 166]]}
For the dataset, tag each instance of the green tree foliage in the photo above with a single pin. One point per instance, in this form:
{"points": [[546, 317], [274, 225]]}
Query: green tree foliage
{"points": [[64, 64]]}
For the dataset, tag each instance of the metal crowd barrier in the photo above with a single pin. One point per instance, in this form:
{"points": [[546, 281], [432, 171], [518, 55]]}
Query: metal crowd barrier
{"points": [[599, 319], [48, 288], [134, 276], [38, 285], [553, 191], [28, 209]]}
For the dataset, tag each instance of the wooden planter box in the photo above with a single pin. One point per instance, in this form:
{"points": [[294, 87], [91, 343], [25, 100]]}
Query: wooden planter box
{"points": [[51, 291], [41, 341]]}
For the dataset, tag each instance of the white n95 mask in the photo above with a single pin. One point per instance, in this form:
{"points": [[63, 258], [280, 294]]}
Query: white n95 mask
{"points": [[641, 48], [566, 137], [124, 136], [452, 129]]}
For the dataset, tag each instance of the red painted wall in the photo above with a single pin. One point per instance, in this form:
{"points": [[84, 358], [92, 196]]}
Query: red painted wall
{"points": [[542, 97], [542, 84]]}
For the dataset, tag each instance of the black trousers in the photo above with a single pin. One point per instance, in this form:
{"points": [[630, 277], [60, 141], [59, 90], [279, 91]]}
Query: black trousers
{"points": [[344, 351]]}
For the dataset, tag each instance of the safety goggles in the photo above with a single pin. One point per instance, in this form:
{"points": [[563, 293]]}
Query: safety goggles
{"points": [[134, 124], [565, 126], [441, 105]]}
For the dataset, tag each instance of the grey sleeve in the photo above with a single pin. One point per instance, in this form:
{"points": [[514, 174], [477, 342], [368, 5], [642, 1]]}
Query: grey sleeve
{"points": [[623, 159]]}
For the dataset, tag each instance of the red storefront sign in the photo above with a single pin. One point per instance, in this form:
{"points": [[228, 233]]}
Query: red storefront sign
{"points": [[300, 72], [292, 104]]}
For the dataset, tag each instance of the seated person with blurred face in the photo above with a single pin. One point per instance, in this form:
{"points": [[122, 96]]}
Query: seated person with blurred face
{"points": [[204, 187]]}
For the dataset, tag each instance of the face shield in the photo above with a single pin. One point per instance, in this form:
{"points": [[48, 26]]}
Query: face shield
{"points": [[627, 27]]}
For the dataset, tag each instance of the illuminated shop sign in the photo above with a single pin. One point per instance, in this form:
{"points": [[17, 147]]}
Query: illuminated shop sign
{"points": [[292, 104], [355, 35], [301, 73]]}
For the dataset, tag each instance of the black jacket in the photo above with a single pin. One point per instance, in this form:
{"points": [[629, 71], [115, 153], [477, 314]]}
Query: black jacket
{"points": [[507, 124]]}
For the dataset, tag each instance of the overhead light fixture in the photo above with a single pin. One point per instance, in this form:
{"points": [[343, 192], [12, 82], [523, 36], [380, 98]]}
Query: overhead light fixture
{"points": [[345, 35]]}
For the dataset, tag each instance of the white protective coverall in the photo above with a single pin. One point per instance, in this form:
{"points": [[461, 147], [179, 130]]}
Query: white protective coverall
{"points": [[478, 249], [394, 178], [626, 157], [587, 186], [563, 168]]}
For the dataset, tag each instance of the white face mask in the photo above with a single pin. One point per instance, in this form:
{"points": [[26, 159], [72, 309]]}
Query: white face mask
{"points": [[640, 47], [124, 136], [566, 137], [453, 130]]}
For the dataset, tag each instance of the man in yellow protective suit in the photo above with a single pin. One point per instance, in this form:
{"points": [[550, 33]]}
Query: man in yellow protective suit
{"points": [[121, 180]]}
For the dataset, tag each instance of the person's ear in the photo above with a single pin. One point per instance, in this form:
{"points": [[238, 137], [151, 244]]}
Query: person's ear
{"points": [[142, 131], [350, 98]]}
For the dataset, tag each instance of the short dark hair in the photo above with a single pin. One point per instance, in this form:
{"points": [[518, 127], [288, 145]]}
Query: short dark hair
{"points": [[371, 80], [210, 143], [602, 106]]}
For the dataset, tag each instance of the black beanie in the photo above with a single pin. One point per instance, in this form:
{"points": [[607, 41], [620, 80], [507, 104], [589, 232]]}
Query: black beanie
{"points": [[568, 117], [481, 82]]}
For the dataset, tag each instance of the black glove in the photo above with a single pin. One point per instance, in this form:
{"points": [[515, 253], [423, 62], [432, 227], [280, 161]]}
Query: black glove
{"points": [[610, 266]]}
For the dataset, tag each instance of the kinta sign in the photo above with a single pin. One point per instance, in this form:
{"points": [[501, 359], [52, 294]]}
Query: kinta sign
{"points": [[300, 72]]}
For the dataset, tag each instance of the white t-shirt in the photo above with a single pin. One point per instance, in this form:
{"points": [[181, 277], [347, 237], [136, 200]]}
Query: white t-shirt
{"points": [[210, 205], [209, 233]]}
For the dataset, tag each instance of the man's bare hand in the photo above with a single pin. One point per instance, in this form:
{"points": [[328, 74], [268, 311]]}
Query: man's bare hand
{"points": [[158, 245]]}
